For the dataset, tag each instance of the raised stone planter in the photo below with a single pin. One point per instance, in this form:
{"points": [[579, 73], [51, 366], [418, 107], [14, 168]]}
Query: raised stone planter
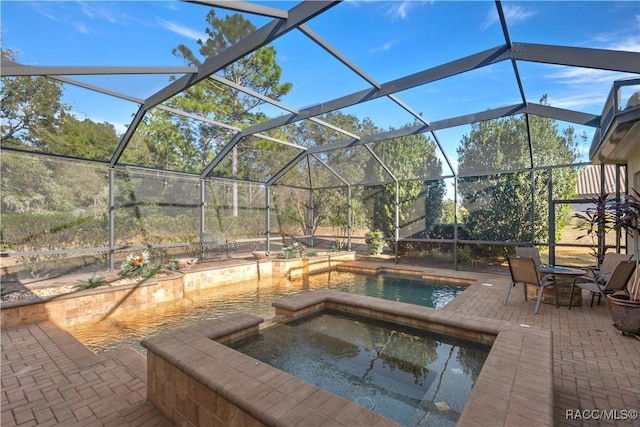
{"points": [[94, 304]]}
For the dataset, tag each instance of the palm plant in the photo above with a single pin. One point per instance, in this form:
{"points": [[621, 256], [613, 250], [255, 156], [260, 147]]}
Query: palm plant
{"points": [[628, 218], [596, 222], [92, 282]]}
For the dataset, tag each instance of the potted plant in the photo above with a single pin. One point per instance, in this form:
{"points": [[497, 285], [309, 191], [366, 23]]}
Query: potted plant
{"points": [[596, 221], [625, 309]]}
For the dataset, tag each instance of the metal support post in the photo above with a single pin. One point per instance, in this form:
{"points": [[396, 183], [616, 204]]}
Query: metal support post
{"points": [[112, 216]]}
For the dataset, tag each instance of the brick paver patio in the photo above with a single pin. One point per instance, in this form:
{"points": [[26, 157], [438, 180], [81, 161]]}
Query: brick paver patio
{"points": [[49, 378]]}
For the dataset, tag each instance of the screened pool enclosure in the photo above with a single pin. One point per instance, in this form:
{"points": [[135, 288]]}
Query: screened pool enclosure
{"points": [[144, 125]]}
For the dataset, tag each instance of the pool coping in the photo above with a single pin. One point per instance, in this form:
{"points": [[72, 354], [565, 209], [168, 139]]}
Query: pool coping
{"points": [[193, 376]]}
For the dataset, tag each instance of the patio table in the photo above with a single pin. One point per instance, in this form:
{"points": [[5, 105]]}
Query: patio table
{"points": [[564, 278]]}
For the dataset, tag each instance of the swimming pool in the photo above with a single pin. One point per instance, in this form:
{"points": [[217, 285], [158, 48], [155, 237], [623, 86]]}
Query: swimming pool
{"points": [[414, 377], [254, 297]]}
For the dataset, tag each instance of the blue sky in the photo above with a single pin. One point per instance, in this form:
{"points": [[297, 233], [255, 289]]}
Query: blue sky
{"points": [[385, 39]]}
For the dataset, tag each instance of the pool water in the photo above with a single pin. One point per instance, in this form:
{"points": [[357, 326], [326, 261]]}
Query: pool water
{"points": [[254, 297], [413, 377]]}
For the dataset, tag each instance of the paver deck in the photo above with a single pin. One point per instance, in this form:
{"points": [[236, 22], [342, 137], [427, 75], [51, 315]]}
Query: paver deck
{"points": [[49, 378]]}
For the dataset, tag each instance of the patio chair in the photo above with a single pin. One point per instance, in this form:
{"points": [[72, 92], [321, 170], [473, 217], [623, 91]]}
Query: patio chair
{"points": [[215, 243], [617, 282], [523, 271], [534, 253], [609, 263]]}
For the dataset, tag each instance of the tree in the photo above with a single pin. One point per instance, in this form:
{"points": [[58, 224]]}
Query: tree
{"points": [[35, 118], [165, 141], [499, 203], [84, 138], [188, 144], [328, 196], [31, 110], [407, 157]]}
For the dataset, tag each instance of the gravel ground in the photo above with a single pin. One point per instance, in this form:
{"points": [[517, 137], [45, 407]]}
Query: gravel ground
{"points": [[25, 294], [37, 293]]}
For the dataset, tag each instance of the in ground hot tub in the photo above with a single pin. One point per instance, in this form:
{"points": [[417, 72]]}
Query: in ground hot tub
{"points": [[414, 377], [194, 377]]}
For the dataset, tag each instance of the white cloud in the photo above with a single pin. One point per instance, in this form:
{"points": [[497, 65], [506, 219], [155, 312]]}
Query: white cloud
{"points": [[582, 87], [81, 28], [40, 8], [517, 14], [578, 101], [400, 9], [120, 128], [630, 44], [97, 10], [182, 30], [513, 14], [586, 76], [383, 47]]}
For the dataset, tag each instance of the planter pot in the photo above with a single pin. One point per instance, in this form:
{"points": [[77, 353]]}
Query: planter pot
{"points": [[625, 314], [260, 254]]}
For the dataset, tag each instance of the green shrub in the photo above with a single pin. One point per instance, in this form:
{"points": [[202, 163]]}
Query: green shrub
{"points": [[92, 282], [375, 241], [294, 250]]}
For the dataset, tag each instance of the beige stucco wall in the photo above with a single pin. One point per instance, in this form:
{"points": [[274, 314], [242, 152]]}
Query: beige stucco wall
{"points": [[634, 167]]}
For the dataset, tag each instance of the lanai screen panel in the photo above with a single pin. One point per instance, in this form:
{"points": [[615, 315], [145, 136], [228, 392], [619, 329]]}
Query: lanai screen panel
{"points": [[322, 176], [612, 26], [356, 165], [629, 96], [298, 175], [155, 207], [310, 172], [289, 212], [567, 87], [374, 205], [330, 214], [410, 157], [171, 141], [314, 74], [570, 145], [255, 159], [66, 120], [421, 208], [465, 93], [569, 229], [132, 87], [482, 203], [494, 146], [50, 204], [558, 143], [430, 31], [308, 133], [371, 117], [235, 208]]}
